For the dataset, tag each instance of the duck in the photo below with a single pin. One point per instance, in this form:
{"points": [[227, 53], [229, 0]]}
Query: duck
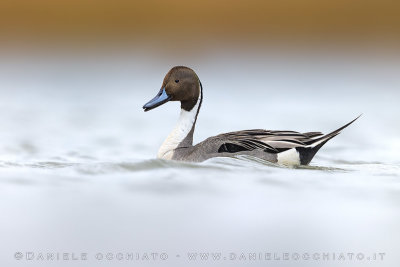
{"points": [[281, 147]]}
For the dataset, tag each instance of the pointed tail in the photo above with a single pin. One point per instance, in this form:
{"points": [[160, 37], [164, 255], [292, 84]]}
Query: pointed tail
{"points": [[308, 152]]}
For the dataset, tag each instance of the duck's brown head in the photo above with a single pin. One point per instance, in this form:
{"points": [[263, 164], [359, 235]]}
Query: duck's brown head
{"points": [[180, 84]]}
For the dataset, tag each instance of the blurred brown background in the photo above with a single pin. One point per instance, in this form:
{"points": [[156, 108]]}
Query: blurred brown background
{"points": [[176, 21]]}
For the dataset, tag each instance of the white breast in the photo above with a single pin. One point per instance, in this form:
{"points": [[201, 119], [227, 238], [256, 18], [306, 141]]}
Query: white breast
{"points": [[179, 133]]}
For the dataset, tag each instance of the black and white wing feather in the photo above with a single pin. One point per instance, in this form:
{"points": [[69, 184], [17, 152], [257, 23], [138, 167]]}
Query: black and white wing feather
{"points": [[267, 140], [272, 141]]}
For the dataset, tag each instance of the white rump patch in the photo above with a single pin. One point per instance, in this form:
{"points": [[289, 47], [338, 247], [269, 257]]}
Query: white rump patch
{"points": [[289, 157]]}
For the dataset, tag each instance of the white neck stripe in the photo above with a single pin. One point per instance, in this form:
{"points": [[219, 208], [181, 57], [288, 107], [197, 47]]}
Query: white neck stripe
{"points": [[181, 130]]}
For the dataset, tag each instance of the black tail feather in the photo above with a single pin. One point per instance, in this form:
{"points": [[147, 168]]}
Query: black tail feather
{"points": [[307, 153], [332, 134]]}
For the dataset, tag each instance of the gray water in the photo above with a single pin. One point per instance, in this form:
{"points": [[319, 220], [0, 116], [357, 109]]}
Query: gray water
{"points": [[78, 172]]}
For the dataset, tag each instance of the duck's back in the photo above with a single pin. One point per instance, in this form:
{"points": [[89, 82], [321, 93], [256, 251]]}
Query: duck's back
{"points": [[259, 143], [283, 147]]}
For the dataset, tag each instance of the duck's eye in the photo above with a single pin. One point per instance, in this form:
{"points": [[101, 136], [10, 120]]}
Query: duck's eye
{"points": [[177, 81]]}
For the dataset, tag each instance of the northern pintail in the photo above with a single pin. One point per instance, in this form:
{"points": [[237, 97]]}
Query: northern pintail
{"points": [[282, 147]]}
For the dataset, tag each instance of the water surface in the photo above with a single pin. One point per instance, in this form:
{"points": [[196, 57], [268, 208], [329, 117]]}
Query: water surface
{"points": [[78, 172]]}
